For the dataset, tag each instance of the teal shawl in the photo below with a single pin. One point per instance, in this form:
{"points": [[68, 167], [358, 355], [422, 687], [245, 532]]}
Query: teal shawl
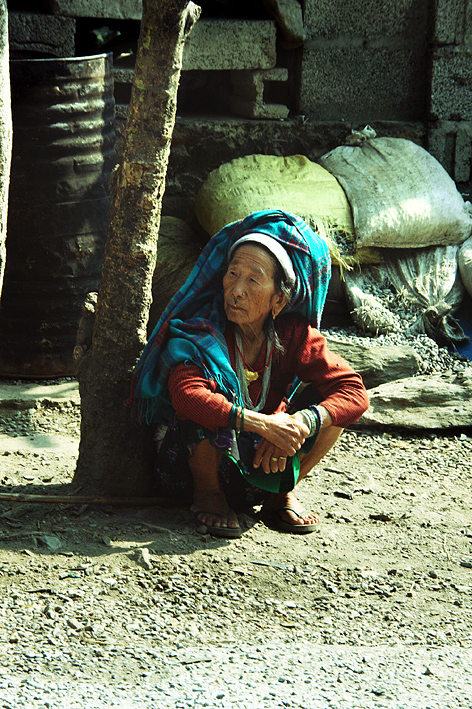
{"points": [[191, 328]]}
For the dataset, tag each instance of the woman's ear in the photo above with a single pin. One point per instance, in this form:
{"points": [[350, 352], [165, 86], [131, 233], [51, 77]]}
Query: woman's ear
{"points": [[279, 303]]}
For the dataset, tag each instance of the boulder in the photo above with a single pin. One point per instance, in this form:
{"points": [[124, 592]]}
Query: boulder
{"points": [[438, 401], [377, 365]]}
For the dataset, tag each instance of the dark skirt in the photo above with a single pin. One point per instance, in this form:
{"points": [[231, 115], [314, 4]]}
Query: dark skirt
{"points": [[243, 485]]}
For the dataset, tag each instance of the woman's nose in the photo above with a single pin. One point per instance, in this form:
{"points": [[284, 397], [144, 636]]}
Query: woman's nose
{"points": [[238, 290]]}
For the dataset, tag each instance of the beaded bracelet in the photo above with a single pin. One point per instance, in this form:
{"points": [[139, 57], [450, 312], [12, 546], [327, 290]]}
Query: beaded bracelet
{"points": [[233, 416], [241, 419], [317, 412], [313, 419], [236, 415]]}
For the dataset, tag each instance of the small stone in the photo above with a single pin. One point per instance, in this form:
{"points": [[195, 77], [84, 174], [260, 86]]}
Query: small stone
{"points": [[52, 543], [142, 558], [74, 624], [343, 494]]}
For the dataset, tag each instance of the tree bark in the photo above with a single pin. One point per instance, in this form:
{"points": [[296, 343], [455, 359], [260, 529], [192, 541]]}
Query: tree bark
{"points": [[5, 133], [114, 455]]}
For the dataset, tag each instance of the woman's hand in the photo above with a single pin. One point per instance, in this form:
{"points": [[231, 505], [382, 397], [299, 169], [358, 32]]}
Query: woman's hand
{"points": [[270, 457], [282, 436]]}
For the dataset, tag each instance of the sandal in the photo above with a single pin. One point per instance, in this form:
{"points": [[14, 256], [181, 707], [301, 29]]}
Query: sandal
{"points": [[225, 532], [289, 526]]}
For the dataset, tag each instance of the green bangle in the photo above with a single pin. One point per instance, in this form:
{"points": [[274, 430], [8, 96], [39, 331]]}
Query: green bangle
{"points": [[241, 420]]}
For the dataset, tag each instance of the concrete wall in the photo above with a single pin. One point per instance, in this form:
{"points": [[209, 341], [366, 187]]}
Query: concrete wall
{"points": [[404, 67], [450, 111], [365, 61]]}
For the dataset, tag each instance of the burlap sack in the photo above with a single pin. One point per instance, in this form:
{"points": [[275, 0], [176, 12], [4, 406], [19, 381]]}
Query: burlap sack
{"points": [[400, 195], [293, 184]]}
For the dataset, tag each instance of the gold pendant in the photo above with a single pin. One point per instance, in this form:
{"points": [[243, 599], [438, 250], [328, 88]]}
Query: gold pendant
{"points": [[250, 376]]}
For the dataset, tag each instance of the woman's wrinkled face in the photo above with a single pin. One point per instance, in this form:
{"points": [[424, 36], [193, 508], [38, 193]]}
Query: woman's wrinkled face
{"points": [[249, 288]]}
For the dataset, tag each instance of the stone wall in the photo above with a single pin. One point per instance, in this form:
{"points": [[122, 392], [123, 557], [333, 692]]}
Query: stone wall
{"points": [[365, 61], [450, 110], [248, 86]]}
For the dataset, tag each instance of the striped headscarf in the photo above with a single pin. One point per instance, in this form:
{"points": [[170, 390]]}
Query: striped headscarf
{"points": [[191, 328]]}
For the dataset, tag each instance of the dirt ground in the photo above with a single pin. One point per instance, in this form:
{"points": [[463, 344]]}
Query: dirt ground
{"points": [[391, 561]]}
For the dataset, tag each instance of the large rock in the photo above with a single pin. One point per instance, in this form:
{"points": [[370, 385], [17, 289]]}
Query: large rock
{"points": [[429, 402], [377, 365]]}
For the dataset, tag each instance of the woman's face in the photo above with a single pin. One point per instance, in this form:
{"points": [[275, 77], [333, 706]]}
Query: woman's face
{"points": [[249, 288]]}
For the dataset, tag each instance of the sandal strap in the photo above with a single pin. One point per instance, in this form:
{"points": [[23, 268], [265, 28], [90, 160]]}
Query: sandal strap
{"points": [[290, 509]]}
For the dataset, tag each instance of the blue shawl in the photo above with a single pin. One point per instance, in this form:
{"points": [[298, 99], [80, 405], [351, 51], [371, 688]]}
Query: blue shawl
{"points": [[191, 328]]}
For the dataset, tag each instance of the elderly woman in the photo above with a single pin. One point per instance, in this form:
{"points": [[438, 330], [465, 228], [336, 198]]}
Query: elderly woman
{"points": [[220, 366]]}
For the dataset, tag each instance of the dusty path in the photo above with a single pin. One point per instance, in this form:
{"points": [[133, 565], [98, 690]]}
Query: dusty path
{"points": [[126, 606]]}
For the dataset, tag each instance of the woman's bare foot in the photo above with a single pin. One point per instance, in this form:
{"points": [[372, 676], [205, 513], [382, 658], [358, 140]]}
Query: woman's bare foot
{"points": [[277, 502], [212, 510]]}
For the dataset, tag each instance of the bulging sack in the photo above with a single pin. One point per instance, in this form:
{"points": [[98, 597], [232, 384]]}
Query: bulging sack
{"points": [[416, 293], [400, 195], [294, 184]]}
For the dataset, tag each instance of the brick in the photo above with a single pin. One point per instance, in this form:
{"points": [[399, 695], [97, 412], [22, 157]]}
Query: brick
{"points": [[372, 18], [231, 44], [110, 9], [463, 153], [441, 143], [356, 83], [450, 142], [450, 21], [248, 94], [451, 84], [43, 34]]}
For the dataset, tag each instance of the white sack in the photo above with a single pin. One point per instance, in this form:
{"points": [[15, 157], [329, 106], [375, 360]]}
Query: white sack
{"points": [[417, 293], [400, 195]]}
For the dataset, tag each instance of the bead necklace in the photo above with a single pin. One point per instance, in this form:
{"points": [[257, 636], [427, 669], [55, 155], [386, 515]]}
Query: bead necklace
{"points": [[246, 376]]}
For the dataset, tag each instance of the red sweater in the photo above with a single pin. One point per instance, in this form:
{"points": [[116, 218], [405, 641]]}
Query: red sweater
{"points": [[306, 355]]}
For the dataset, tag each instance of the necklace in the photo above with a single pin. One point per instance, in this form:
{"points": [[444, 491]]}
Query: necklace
{"points": [[251, 374], [246, 376]]}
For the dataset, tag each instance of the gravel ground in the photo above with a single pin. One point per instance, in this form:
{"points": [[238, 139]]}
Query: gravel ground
{"points": [[106, 607]]}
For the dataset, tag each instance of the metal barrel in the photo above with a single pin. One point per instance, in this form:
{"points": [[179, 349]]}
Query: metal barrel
{"points": [[62, 157]]}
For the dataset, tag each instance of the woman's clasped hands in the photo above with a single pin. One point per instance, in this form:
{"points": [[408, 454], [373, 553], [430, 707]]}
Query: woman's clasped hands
{"points": [[283, 436]]}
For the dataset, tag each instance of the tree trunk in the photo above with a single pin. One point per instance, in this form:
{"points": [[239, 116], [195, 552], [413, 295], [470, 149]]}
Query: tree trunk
{"points": [[114, 455], [5, 133]]}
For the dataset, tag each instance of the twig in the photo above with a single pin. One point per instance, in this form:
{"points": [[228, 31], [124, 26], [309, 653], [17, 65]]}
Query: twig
{"points": [[445, 548], [83, 500]]}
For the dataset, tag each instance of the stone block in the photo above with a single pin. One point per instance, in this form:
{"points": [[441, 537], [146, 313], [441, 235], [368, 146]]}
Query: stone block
{"points": [[463, 153], [371, 19], [450, 142], [451, 84], [231, 44], [110, 9], [450, 16], [357, 83], [248, 94], [289, 17], [441, 143], [42, 34]]}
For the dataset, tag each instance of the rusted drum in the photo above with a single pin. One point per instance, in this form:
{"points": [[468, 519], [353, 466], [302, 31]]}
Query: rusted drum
{"points": [[63, 154]]}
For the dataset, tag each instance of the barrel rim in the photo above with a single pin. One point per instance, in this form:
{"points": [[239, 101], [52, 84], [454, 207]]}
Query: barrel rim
{"points": [[69, 60]]}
